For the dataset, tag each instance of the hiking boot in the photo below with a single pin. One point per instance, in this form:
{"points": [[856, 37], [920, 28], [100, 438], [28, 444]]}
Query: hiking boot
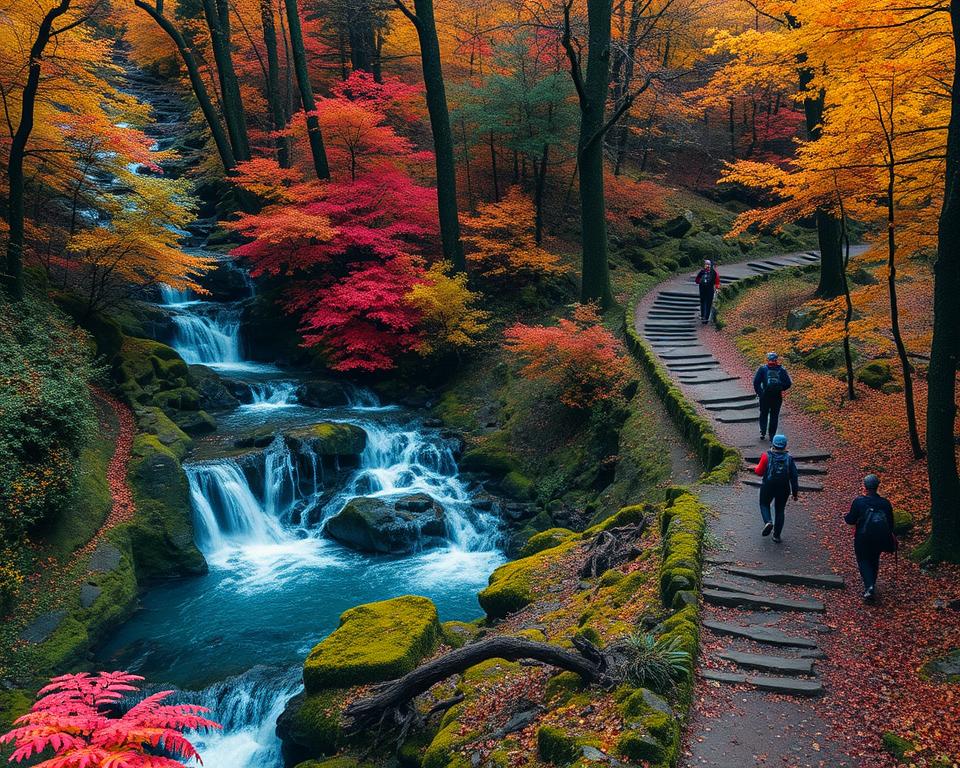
{"points": [[763, 435], [766, 529], [776, 539], [870, 595]]}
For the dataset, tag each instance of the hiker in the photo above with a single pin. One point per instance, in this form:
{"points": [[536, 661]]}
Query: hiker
{"points": [[873, 517], [709, 281], [770, 382], [780, 479]]}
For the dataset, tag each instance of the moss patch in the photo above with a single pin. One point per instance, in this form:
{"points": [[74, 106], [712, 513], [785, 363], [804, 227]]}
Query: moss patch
{"points": [[376, 641]]}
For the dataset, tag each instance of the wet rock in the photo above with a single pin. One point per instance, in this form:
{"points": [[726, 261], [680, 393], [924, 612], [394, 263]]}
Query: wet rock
{"points": [[105, 557], [89, 594], [215, 395], [195, 422], [321, 393], [389, 526], [42, 627]]}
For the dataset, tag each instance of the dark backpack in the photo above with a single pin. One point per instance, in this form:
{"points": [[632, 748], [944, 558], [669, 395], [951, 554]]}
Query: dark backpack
{"points": [[773, 383], [874, 528], [778, 468]]}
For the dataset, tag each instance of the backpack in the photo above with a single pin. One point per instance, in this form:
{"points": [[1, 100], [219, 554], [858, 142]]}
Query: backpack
{"points": [[773, 384], [874, 528], [778, 468]]}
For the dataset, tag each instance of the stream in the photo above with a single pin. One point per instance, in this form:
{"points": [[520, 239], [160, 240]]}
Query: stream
{"points": [[234, 639]]}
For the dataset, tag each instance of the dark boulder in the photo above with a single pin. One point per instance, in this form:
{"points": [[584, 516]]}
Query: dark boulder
{"points": [[321, 393], [215, 395], [390, 526]]}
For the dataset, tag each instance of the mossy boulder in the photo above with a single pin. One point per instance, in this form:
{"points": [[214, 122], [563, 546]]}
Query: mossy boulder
{"points": [[374, 642], [641, 747], [458, 633], [823, 358], [489, 458], [310, 725], [875, 374], [902, 522], [555, 746], [372, 524], [548, 539], [898, 746], [329, 439], [518, 486], [801, 318], [214, 393], [161, 533], [513, 585], [151, 373]]}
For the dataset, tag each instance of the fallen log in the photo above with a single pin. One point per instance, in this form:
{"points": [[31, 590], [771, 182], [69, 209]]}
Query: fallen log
{"points": [[391, 704]]}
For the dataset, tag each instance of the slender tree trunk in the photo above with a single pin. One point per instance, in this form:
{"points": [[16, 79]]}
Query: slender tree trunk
{"points": [[425, 24], [828, 228], [592, 94], [848, 315], [466, 162], [945, 350], [274, 94], [217, 13], [895, 310], [224, 149], [299, 54], [13, 279]]}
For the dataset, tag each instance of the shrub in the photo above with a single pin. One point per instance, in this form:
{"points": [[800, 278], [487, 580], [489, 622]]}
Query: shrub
{"points": [[579, 357], [45, 411], [655, 664], [10, 582]]}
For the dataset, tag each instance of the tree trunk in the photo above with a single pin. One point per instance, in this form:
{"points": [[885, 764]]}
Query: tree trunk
{"points": [[425, 24], [945, 350], [394, 698], [274, 94], [493, 168], [224, 149], [217, 13], [361, 35], [13, 279], [828, 228], [592, 93], [299, 54], [540, 174]]}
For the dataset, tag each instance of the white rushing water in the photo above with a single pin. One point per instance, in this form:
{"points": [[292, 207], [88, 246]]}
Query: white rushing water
{"points": [[205, 332], [269, 395]]}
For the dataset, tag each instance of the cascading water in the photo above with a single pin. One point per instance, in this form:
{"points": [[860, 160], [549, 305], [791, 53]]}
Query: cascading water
{"points": [[276, 585]]}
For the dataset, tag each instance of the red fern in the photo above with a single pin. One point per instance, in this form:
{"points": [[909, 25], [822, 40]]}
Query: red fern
{"points": [[73, 719]]}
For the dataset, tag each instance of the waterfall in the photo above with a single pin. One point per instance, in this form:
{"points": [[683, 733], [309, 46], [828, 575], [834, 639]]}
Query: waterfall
{"points": [[269, 395], [247, 706], [205, 332]]}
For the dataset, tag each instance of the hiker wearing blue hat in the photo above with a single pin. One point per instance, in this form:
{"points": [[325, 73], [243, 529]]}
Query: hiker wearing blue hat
{"points": [[780, 478], [770, 382]]}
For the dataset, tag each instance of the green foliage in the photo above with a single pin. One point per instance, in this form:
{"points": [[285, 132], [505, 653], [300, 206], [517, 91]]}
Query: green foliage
{"points": [[46, 413], [654, 663], [374, 642], [875, 374], [898, 746]]}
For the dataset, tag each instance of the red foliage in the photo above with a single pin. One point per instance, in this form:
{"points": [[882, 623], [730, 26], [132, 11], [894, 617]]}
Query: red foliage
{"points": [[579, 356], [73, 717], [396, 99], [356, 243], [631, 202]]}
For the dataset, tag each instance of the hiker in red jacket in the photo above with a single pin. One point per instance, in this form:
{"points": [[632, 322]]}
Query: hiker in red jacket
{"points": [[709, 281], [780, 479]]}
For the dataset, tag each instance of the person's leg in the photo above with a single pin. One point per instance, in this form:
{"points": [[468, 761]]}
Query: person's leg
{"points": [[706, 299], [780, 506], [865, 564], [775, 414], [764, 415], [875, 566], [766, 496]]}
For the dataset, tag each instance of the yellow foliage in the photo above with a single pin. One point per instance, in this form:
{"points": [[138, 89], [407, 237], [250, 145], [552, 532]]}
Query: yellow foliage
{"points": [[451, 321], [502, 244]]}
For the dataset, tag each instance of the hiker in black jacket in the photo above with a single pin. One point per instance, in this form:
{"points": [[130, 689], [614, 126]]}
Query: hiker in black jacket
{"points": [[770, 382], [780, 479], [873, 517], [709, 281]]}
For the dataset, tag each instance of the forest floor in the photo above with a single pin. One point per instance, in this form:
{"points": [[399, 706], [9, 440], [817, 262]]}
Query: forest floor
{"points": [[870, 659]]}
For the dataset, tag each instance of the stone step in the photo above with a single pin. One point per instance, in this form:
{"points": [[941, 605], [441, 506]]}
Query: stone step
{"points": [[668, 345], [695, 369], [703, 379], [712, 582], [825, 580], [780, 665], [679, 365], [761, 602], [727, 399], [805, 485], [746, 405], [760, 267], [785, 685], [686, 295], [759, 634], [691, 355], [739, 417]]}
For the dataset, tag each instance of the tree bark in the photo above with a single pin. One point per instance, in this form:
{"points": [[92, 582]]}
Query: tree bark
{"points": [[828, 228], [217, 13], [945, 350], [592, 95], [540, 174], [227, 158], [393, 698], [425, 24], [13, 279], [299, 54], [274, 94]]}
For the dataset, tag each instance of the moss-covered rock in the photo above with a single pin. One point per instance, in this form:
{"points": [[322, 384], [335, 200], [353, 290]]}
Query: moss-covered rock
{"points": [[151, 373], [555, 746], [490, 458], [374, 642], [875, 374], [902, 522], [898, 746], [458, 633], [372, 524], [547, 539], [512, 586], [161, 533], [641, 747], [562, 686], [310, 726], [518, 486], [329, 439], [154, 421]]}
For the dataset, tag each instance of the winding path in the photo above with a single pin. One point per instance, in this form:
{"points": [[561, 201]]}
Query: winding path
{"points": [[766, 605]]}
